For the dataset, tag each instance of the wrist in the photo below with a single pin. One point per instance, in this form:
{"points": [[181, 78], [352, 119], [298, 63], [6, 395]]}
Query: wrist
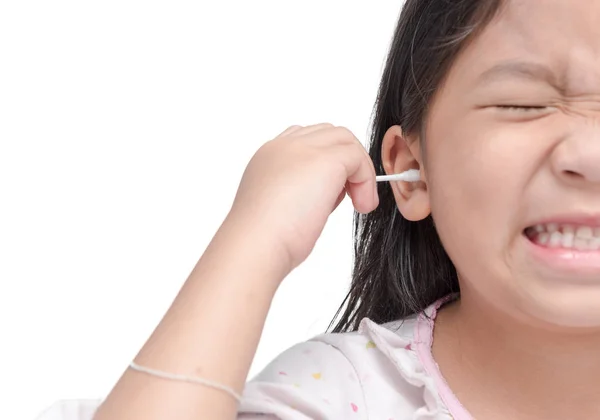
{"points": [[257, 244]]}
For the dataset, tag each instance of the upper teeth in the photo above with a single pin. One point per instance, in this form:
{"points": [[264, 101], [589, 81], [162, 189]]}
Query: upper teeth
{"points": [[568, 236]]}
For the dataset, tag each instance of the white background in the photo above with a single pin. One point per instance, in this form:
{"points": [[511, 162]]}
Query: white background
{"points": [[124, 129]]}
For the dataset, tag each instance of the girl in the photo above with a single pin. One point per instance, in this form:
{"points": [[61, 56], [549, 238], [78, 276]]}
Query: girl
{"points": [[497, 104]]}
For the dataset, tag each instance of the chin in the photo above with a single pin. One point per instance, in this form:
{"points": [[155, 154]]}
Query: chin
{"points": [[558, 288]]}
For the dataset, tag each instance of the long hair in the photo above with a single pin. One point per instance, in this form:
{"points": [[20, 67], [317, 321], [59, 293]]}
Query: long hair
{"points": [[401, 267]]}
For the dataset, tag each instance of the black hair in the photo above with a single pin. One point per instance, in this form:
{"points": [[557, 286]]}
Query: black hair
{"points": [[401, 267]]}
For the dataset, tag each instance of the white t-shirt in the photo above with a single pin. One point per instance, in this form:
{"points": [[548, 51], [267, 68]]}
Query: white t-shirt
{"points": [[380, 372]]}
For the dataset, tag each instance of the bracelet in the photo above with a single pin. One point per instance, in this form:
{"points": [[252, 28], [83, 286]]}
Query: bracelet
{"points": [[196, 380]]}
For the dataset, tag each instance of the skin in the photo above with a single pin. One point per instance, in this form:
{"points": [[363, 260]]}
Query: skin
{"points": [[213, 327], [523, 342]]}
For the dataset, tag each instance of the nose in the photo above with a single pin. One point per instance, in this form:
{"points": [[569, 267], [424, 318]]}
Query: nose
{"points": [[576, 159]]}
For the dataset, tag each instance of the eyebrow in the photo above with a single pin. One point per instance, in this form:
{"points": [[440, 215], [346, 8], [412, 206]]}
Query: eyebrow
{"points": [[521, 69]]}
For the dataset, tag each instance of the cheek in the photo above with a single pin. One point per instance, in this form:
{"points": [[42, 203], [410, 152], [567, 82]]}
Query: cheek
{"points": [[477, 177]]}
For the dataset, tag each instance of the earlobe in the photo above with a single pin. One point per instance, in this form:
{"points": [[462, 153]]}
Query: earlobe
{"points": [[400, 153]]}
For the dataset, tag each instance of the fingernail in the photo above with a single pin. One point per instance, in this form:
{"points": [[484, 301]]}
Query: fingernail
{"points": [[375, 195]]}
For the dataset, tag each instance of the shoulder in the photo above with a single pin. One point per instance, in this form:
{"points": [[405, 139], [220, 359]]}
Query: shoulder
{"points": [[375, 372], [380, 371]]}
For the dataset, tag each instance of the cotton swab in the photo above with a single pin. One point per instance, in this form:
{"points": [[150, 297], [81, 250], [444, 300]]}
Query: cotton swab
{"points": [[412, 175]]}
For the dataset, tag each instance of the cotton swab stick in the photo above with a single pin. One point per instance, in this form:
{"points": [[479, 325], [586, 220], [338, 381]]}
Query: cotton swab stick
{"points": [[412, 175]]}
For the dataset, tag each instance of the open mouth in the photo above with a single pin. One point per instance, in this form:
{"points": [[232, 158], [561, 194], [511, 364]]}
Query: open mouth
{"points": [[565, 236]]}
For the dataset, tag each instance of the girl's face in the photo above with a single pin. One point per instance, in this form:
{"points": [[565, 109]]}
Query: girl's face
{"points": [[513, 163]]}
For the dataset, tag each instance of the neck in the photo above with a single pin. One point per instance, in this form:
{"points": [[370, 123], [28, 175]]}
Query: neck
{"points": [[492, 359]]}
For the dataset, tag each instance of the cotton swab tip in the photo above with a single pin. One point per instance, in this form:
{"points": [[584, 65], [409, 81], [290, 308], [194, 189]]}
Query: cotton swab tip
{"points": [[412, 175]]}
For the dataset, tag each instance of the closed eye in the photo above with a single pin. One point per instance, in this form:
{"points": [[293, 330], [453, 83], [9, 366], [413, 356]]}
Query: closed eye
{"points": [[522, 108]]}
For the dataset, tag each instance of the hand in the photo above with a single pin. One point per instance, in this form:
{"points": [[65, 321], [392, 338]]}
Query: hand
{"points": [[294, 182]]}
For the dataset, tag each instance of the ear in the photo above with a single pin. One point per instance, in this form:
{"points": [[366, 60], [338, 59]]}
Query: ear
{"points": [[399, 154]]}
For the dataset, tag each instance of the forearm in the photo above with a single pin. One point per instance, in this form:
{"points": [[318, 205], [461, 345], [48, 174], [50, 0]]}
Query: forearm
{"points": [[211, 330]]}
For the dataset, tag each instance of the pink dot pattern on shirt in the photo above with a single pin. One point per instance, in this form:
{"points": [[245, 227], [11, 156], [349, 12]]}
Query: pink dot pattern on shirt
{"points": [[318, 376]]}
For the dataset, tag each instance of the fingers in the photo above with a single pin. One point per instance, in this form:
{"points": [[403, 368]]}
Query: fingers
{"points": [[358, 165], [340, 199], [290, 130], [360, 175], [360, 171], [310, 129]]}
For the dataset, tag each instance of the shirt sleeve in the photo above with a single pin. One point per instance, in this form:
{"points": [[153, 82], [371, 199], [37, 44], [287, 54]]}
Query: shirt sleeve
{"points": [[312, 380]]}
